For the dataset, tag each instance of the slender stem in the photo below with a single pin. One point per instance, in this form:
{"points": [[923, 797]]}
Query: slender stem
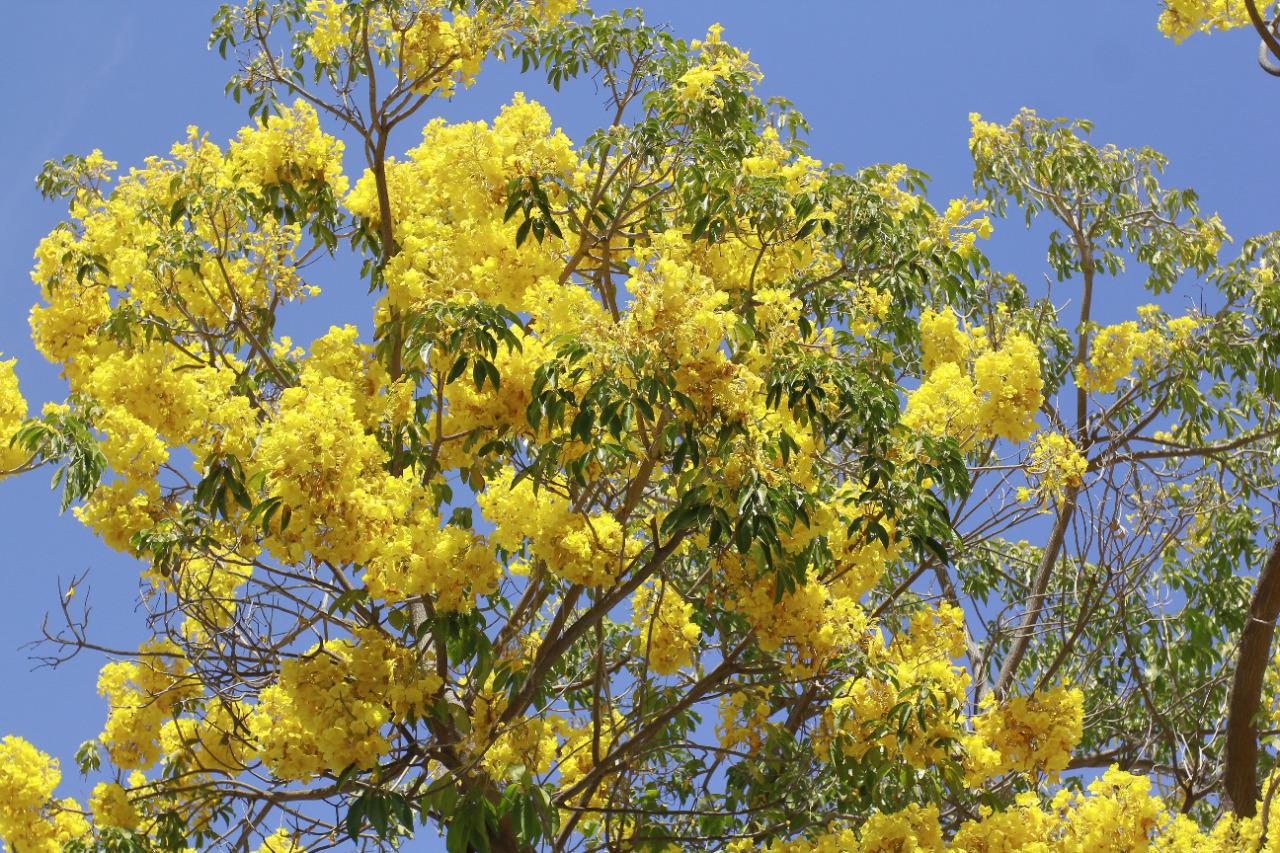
{"points": [[1022, 636]]}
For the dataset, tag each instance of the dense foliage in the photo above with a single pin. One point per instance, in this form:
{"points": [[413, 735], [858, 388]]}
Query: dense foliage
{"points": [[679, 492]]}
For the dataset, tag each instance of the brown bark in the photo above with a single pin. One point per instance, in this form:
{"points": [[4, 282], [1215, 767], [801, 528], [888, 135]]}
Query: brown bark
{"points": [[1240, 770], [1265, 31], [1035, 604]]}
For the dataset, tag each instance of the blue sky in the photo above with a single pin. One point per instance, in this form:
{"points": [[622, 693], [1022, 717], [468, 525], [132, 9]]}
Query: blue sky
{"points": [[879, 82]]}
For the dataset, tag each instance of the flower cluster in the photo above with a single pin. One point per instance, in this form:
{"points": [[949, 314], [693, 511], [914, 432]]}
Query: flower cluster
{"points": [[961, 224], [999, 400], [1058, 464], [330, 29], [13, 411], [346, 506], [1025, 734], [1117, 348], [330, 707], [215, 738], [986, 136], [810, 622], [917, 667], [1181, 18], [591, 550], [185, 248], [30, 819], [665, 629], [502, 409], [439, 53], [527, 742], [743, 721], [111, 807], [1117, 813], [448, 201], [290, 148], [942, 340], [717, 62], [142, 696]]}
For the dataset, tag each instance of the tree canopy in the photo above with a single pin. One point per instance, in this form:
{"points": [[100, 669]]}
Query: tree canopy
{"points": [[1182, 18], [678, 492]]}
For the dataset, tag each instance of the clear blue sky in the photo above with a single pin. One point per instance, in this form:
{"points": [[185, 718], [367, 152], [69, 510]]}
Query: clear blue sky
{"points": [[879, 82]]}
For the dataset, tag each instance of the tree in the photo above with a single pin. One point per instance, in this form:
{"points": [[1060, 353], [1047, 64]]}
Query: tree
{"points": [[1182, 18], [1240, 770], [682, 492]]}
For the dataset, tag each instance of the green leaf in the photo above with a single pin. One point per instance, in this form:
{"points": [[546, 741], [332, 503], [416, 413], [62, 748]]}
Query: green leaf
{"points": [[355, 819], [582, 425], [459, 365]]}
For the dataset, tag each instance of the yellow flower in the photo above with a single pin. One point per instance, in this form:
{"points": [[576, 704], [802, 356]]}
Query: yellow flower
{"points": [[1182, 18], [1025, 734], [111, 807], [280, 841], [330, 28], [30, 819], [331, 707], [665, 631], [1010, 379], [13, 411], [999, 401], [942, 339], [1117, 348], [142, 696], [1057, 462]]}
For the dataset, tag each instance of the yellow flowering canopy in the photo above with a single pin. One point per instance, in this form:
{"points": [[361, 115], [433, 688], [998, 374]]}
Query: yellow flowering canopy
{"points": [[1181, 18], [677, 491]]}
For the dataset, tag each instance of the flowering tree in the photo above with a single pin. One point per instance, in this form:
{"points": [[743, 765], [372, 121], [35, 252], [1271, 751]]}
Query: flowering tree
{"points": [[680, 492], [1239, 775], [1182, 18]]}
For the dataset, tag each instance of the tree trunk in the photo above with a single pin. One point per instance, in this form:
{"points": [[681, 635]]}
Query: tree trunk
{"points": [[1240, 771]]}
